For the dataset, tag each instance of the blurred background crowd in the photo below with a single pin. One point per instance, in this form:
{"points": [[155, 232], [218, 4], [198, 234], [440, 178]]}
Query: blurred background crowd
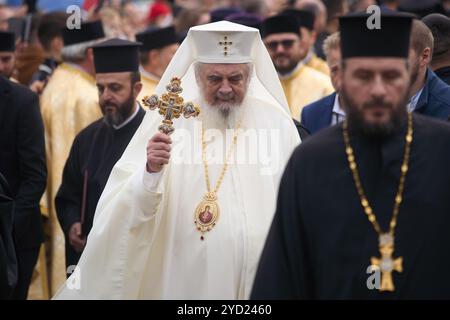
{"points": [[39, 49], [37, 23]]}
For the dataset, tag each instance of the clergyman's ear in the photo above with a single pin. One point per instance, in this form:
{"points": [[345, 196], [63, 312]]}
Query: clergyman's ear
{"points": [[137, 87]]}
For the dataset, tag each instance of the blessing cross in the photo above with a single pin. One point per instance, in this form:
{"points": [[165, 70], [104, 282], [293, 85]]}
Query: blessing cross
{"points": [[171, 105], [225, 43], [386, 263]]}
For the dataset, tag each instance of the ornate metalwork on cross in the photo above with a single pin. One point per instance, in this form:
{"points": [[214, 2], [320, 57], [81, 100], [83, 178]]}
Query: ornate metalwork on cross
{"points": [[171, 105]]}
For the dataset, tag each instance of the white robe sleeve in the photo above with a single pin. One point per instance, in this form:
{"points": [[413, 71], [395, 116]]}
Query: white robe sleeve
{"points": [[119, 242]]}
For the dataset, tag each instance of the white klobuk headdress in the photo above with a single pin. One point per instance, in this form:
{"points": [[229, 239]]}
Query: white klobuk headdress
{"points": [[225, 42]]}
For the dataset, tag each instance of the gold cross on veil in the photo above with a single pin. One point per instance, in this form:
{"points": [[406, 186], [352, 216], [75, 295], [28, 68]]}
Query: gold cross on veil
{"points": [[225, 43]]}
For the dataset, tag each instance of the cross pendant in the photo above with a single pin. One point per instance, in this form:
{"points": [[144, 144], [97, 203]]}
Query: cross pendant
{"points": [[387, 264], [225, 43], [171, 105]]}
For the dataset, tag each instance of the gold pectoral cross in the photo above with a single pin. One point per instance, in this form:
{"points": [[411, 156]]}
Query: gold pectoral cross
{"points": [[386, 263], [171, 105]]}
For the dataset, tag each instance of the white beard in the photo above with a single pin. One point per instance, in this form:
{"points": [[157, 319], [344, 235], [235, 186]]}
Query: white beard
{"points": [[214, 117]]}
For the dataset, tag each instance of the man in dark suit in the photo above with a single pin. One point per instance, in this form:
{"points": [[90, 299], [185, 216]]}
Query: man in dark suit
{"points": [[302, 131], [22, 162], [428, 94], [319, 115], [440, 27], [326, 111]]}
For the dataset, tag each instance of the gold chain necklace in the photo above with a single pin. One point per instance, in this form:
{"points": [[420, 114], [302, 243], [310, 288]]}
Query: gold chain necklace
{"points": [[386, 240], [207, 212]]}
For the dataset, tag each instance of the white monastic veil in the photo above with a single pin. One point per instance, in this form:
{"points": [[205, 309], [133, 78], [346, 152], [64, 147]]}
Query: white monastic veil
{"points": [[120, 258]]}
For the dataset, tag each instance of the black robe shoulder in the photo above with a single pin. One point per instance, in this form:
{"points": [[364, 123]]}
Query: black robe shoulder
{"points": [[320, 243]]}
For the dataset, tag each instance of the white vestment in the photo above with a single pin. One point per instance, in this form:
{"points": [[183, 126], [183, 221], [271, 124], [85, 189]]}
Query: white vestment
{"points": [[144, 243]]}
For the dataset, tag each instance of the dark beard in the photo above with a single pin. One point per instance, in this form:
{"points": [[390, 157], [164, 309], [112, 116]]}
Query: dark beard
{"points": [[123, 112], [286, 70], [356, 120]]}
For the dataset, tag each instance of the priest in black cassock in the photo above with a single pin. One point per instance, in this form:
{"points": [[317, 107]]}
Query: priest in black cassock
{"points": [[99, 146], [364, 208]]}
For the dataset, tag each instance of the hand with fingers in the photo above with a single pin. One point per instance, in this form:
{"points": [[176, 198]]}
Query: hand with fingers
{"points": [[158, 152], [77, 241]]}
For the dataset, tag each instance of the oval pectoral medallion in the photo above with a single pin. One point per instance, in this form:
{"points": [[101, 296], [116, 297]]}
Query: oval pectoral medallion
{"points": [[207, 214]]}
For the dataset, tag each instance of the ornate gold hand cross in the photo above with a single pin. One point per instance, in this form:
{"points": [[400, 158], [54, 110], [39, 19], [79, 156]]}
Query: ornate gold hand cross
{"points": [[171, 105]]}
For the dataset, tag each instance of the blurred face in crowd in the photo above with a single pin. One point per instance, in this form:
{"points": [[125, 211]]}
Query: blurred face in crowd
{"points": [[446, 5], [414, 64], [166, 54], [6, 12], [334, 61], [320, 20], [285, 50], [117, 96], [223, 86], [6, 63], [375, 93], [160, 58], [307, 39], [362, 5]]}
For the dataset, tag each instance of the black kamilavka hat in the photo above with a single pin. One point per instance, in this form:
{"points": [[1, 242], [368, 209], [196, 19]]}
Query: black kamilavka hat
{"points": [[157, 38], [391, 40], [88, 31], [116, 55]]}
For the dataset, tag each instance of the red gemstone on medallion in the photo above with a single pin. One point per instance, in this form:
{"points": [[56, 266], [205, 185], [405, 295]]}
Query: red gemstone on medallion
{"points": [[206, 216]]}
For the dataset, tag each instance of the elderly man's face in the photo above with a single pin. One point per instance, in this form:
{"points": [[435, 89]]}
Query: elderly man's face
{"points": [[223, 85], [6, 63], [374, 92]]}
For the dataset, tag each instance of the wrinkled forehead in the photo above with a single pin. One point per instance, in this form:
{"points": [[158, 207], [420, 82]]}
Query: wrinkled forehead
{"points": [[225, 68], [376, 64]]}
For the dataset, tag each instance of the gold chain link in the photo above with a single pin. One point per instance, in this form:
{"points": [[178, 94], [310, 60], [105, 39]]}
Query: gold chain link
{"points": [[401, 186], [225, 166]]}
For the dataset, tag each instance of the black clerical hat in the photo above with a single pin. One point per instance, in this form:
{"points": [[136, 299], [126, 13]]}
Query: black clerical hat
{"points": [[280, 24], [421, 8], [220, 14], [157, 38], [305, 18], [391, 40], [246, 19], [116, 55], [89, 31], [440, 28], [7, 41]]}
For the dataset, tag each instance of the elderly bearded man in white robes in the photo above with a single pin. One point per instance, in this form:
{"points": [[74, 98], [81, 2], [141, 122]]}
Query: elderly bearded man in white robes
{"points": [[148, 240]]}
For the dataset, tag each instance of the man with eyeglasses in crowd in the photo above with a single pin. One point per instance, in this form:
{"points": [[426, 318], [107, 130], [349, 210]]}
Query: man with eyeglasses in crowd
{"points": [[302, 85]]}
